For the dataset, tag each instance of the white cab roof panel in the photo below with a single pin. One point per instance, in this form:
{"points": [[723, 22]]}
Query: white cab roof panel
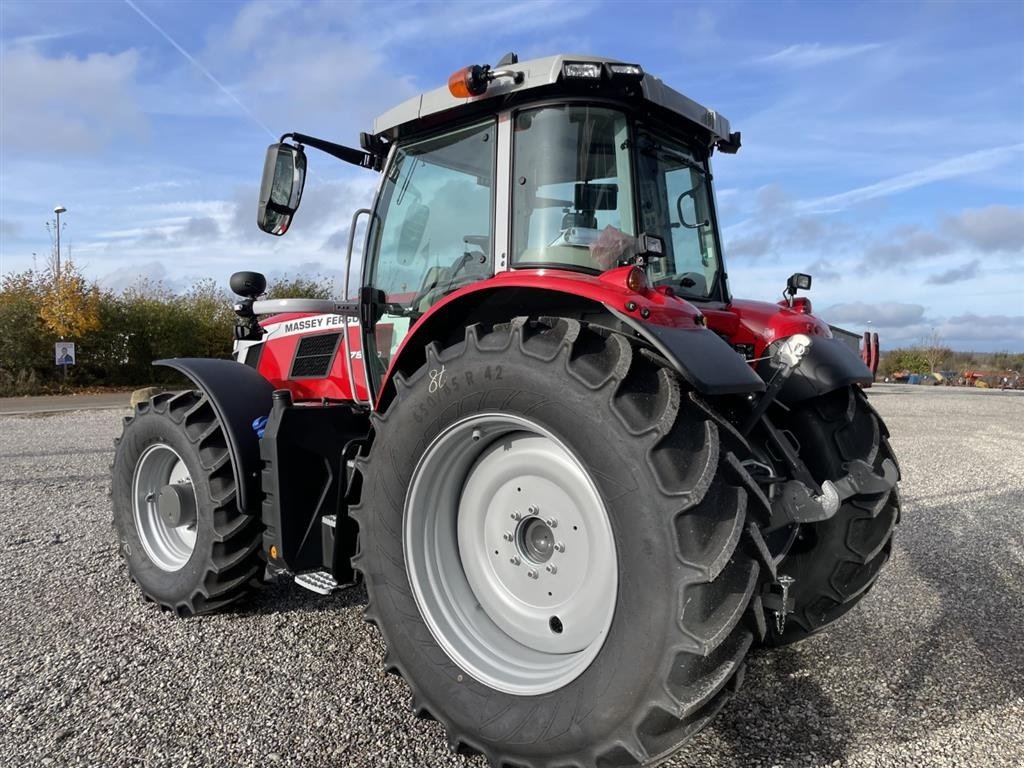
{"points": [[542, 72]]}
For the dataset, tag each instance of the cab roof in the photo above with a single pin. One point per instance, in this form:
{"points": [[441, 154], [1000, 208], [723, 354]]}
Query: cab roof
{"points": [[549, 71]]}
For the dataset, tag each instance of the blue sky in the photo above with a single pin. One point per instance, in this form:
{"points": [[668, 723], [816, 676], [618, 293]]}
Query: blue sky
{"points": [[883, 143]]}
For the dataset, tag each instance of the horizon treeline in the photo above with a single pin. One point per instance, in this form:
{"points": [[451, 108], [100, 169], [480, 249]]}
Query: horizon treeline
{"points": [[117, 334]]}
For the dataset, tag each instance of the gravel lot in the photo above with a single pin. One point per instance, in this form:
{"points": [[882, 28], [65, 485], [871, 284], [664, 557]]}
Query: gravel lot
{"points": [[929, 670]]}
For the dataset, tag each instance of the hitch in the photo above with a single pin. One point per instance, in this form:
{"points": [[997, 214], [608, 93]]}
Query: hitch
{"points": [[798, 504]]}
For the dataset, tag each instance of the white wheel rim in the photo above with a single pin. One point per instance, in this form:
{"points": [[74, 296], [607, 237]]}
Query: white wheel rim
{"points": [[510, 554], [168, 547]]}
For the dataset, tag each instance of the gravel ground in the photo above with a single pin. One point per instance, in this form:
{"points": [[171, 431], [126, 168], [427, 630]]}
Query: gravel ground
{"points": [[928, 671]]}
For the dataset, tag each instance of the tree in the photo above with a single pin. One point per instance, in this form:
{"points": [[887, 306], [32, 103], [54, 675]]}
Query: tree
{"points": [[68, 306], [934, 349], [316, 287], [899, 360]]}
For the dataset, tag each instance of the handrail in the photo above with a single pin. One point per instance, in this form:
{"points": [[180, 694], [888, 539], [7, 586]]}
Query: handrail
{"points": [[359, 324], [320, 306]]}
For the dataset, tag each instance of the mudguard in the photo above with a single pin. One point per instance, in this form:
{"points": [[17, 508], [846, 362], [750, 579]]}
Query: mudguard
{"points": [[701, 357], [828, 365], [239, 395]]}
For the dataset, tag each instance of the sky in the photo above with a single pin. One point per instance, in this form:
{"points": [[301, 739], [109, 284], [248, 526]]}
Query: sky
{"points": [[883, 143]]}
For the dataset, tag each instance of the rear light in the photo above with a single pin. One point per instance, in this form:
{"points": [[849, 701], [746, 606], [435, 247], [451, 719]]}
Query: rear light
{"points": [[636, 280], [582, 69]]}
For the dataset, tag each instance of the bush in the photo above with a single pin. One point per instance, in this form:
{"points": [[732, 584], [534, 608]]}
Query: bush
{"points": [[124, 332]]}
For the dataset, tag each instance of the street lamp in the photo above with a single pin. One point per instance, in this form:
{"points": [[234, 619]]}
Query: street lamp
{"points": [[59, 210]]}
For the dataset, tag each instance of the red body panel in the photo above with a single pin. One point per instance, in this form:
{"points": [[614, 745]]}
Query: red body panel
{"points": [[760, 323], [742, 322]]}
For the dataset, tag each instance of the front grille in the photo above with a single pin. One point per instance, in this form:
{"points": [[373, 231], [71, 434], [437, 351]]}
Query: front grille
{"points": [[314, 356]]}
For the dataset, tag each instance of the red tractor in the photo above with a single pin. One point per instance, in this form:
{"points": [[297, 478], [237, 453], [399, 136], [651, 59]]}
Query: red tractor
{"points": [[579, 479]]}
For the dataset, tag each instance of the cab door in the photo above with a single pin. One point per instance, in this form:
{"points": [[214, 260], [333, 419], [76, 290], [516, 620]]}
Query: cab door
{"points": [[432, 233]]}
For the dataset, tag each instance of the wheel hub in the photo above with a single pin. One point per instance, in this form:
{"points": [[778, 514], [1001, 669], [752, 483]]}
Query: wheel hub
{"points": [[510, 554], [164, 507]]}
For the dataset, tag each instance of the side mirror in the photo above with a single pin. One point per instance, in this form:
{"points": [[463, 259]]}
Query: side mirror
{"points": [[284, 175]]}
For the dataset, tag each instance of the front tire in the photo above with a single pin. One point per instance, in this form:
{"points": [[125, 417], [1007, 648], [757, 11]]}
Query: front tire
{"points": [[208, 554], [537, 409]]}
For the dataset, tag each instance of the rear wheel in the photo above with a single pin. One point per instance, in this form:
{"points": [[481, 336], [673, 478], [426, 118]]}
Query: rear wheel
{"points": [[173, 490], [550, 535], [836, 562]]}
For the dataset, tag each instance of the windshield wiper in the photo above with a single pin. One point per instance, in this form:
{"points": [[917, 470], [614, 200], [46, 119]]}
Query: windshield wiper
{"points": [[662, 152]]}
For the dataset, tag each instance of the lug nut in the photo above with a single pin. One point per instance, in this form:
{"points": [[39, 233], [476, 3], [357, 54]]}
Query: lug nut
{"points": [[517, 515], [515, 560], [534, 509], [551, 522], [559, 547], [507, 536], [551, 568], [532, 573]]}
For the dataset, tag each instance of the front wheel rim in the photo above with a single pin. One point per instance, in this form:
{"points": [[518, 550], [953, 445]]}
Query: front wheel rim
{"points": [[169, 547], [510, 554]]}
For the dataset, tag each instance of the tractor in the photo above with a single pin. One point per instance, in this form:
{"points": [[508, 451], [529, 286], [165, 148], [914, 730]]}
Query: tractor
{"points": [[579, 480]]}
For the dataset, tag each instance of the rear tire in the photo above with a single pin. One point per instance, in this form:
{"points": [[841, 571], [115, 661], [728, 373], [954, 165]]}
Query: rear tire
{"points": [[214, 558], [681, 620], [835, 563]]}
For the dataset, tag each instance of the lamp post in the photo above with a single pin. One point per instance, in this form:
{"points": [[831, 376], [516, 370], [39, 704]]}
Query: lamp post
{"points": [[59, 210]]}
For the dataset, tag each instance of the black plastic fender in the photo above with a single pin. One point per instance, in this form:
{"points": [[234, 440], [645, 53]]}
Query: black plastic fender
{"points": [[239, 395], [701, 357], [828, 365]]}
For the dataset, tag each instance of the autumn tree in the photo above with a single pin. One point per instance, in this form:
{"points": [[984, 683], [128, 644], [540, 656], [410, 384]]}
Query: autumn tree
{"points": [[68, 305]]}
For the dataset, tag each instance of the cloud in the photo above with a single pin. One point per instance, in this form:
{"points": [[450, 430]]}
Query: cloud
{"points": [[890, 314], [69, 104], [805, 55], [956, 274], [200, 228], [991, 229], [10, 228], [964, 165], [905, 244]]}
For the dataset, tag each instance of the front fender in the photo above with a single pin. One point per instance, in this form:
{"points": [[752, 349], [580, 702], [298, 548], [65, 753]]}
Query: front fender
{"points": [[239, 395]]}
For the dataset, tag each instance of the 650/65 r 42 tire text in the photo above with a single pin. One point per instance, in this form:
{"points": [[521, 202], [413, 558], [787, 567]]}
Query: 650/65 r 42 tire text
{"points": [[186, 544], [550, 540]]}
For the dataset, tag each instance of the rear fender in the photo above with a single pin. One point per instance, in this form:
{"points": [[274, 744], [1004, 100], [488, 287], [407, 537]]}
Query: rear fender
{"points": [[700, 356], [828, 365], [239, 395]]}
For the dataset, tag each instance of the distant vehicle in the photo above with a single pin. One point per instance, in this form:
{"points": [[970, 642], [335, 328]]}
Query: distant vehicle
{"points": [[579, 479]]}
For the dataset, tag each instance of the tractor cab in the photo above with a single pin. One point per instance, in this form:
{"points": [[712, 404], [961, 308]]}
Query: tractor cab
{"points": [[566, 164]]}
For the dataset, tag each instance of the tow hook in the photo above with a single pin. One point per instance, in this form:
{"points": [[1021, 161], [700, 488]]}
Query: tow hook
{"points": [[777, 600], [798, 504]]}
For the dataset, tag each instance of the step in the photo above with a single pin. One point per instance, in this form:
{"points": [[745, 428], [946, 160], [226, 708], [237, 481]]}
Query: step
{"points": [[319, 581]]}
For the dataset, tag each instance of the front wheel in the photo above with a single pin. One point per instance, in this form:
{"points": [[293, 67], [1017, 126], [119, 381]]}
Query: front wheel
{"points": [[550, 539], [185, 542]]}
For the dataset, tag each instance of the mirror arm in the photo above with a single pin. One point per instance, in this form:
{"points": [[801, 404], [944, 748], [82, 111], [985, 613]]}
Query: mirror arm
{"points": [[349, 155]]}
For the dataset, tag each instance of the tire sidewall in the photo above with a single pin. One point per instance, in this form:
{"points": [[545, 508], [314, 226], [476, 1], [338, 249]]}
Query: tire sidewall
{"points": [[146, 429], [642, 521]]}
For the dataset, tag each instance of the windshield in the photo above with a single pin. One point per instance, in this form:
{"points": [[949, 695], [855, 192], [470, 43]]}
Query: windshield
{"points": [[572, 197], [674, 199]]}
